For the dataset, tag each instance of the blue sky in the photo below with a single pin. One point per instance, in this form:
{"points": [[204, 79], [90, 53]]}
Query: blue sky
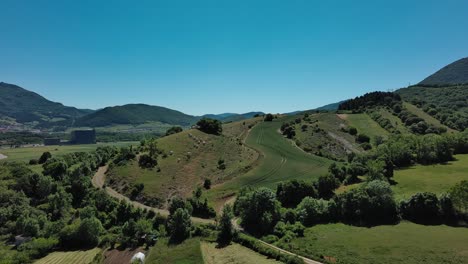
{"points": [[225, 56]]}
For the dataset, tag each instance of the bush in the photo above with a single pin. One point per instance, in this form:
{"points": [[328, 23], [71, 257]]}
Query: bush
{"points": [[352, 131], [210, 126], [38, 247], [44, 157], [423, 208], [362, 138], [269, 117], [146, 161], [207, 184]]}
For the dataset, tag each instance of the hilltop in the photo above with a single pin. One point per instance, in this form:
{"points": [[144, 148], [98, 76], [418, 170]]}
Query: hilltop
{"points": [[23, 106], [454, 73], [135, 114]]}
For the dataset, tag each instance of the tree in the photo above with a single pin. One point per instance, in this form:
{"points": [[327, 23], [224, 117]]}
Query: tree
{"points": [[173, 130], [422, 208], [312, 211], [210, 126], [44, 157], [269, 117], [291, 193], [89, 231], [259, 210], [57, 168], [177, 203], [352, 131], [207, 184], [147, 161], [226, 230], [179, 225], [459, 196], [362, 138], [326, 185]]}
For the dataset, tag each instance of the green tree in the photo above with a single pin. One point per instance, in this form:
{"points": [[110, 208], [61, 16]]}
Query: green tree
{"points": [[44, 157], [179, 225], [269, 117], [226, 230], [210, 126]]}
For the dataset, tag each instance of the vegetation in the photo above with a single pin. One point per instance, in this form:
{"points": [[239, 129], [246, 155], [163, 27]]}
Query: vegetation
{"points": [[59, 257], [232, 254], [187, 252], [454, 73], [135, 114], [210, 126]]}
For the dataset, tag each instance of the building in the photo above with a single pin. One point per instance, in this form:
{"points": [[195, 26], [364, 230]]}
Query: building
{"points": [[51, 141], [83, 136]]}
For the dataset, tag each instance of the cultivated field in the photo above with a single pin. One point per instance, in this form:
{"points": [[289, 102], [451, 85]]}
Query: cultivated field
{"points": [[70, 257], [403, 243], [26, 154], [281, 160], [232, 254], [188, 252]]}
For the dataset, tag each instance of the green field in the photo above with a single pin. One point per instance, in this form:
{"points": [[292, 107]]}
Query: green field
{"points": [[365, 125], [70, 257], [396, 122], [281, 161], [431, 178], [403, 243], [26, 154], [188, 252], [232, 254]]}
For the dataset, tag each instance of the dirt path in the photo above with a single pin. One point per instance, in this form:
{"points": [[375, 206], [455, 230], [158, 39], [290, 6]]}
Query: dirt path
{"points": [[3, 156]]}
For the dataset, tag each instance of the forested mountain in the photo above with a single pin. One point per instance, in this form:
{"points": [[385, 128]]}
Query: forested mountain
{"points": [[26, 106], [231, 117], [454, 73], [135, 114]]}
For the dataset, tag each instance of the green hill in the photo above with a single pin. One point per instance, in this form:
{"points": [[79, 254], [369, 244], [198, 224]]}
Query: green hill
{"points": [[135, 114], [28, 107], [454, 73]]}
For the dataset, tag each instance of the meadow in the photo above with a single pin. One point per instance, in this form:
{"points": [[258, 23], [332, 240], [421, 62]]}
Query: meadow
{"points": [[70, 257], [403, 243], [364, 124], [187, 252], [232, 254], [428, 118], [28, 153]]}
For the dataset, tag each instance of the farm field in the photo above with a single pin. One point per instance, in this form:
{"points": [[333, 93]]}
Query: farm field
{"points": [[403, 243], [232, 254], [188, 252], [281, 160], [70, 257], [364, 124], [192, 157], [26, 154]]}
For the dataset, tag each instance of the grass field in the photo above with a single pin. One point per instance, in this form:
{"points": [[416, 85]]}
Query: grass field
{"points": [[232, 254], [194, 158], [396, 122], [281, 160], [26, 154], [364, 124], [428, 118], [403, 243], [431, 178], [188, 252], [69, 257]]}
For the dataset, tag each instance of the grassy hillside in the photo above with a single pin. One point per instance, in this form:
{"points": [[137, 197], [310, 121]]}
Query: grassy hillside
{"points": [[281, 160], [322, 135], [188, 252], [428, 118], [364, 124], [135, 114], [454, 73], [449, 105], [232, 254], [194, 158], [28, 107], [403, 243]]}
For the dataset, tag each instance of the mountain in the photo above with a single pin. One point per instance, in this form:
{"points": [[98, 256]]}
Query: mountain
{"points": [[454, 73], [232, 117], [135, 114], [25, 106], [333, 106]]}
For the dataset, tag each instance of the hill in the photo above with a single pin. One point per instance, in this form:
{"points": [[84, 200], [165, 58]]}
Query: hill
{"points": [[454, 73], [23, 106], [232, 117], [135, 114]]}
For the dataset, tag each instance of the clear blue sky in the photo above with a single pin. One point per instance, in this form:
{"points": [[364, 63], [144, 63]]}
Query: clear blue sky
{"points": [[225, 56]]}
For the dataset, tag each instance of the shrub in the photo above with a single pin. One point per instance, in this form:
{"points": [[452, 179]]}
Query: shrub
{"points": [[207, 184], [146, 161], [210, 126], [422, 208], [362, 138]]}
